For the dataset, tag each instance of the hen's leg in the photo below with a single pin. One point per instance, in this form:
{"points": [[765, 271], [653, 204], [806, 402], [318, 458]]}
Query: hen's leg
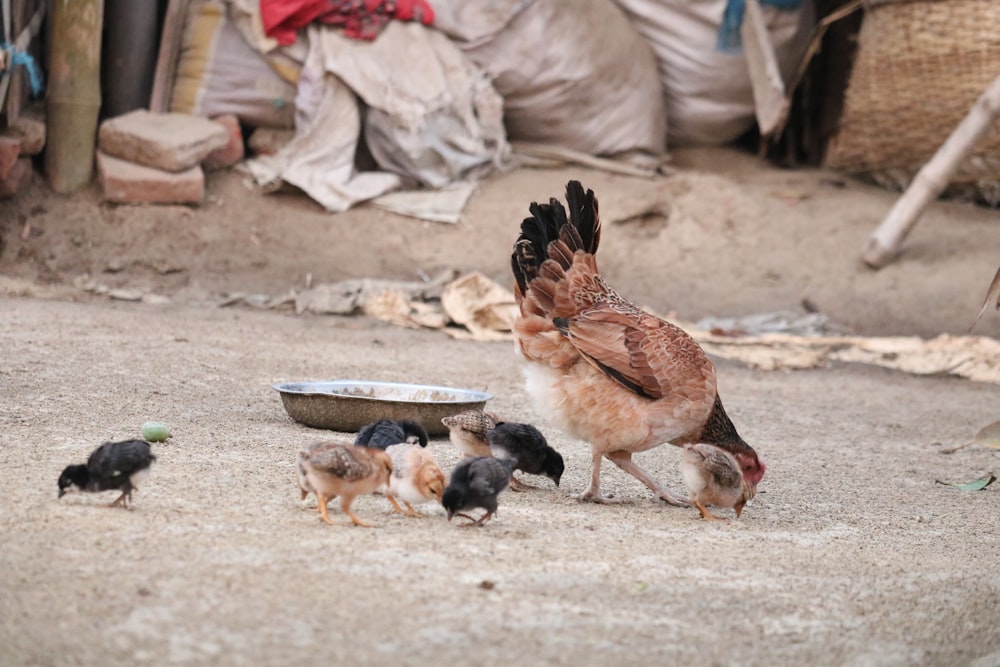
{"points": [[593, 492], [624, 461]]}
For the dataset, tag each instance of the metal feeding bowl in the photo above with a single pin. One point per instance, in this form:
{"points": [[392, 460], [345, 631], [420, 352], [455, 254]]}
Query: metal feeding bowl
{"points": [[347, 405]]}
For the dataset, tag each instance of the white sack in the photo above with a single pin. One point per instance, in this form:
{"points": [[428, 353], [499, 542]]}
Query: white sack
{"points": [[708, 95], [572, 73], [430, 116]]}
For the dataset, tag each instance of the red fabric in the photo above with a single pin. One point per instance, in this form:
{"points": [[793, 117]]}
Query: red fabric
{"points": [[361, 19]]}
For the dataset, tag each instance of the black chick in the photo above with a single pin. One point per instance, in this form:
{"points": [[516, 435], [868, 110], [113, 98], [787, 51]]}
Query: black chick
{"points": [[528, 450], [386, 432], [476, 482], [120, 466]]}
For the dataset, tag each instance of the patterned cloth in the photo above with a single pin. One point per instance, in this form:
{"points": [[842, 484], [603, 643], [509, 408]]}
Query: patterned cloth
{"points": [[360, 19]]}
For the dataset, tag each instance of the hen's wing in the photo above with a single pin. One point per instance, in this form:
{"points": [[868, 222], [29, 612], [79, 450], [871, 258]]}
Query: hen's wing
{"points": [[640, 351]]}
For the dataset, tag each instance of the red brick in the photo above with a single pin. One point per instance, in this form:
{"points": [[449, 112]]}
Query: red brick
{"points": [[30, 132], [20, 174], [232, 152], [167, 141], [130, 183], [10, 150]]}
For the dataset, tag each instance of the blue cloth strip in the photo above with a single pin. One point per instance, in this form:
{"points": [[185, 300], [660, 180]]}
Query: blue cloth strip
{"points": [[730, 39], [24, 59]]}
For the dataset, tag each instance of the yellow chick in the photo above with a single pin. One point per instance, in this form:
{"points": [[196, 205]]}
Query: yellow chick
{"points": [[416, 477]]}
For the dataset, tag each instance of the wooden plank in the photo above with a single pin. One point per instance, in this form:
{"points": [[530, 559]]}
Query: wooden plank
{"points": [[771, 102], [171, 39]]}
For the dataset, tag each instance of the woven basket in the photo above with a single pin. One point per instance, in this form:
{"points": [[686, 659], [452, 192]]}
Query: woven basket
{"points": [[920, 66]]}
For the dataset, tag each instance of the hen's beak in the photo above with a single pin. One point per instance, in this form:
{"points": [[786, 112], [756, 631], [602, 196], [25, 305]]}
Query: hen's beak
{"points": [[62, 492]]}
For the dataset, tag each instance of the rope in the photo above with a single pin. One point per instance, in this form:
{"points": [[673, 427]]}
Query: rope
{"points": [[16, 58]]}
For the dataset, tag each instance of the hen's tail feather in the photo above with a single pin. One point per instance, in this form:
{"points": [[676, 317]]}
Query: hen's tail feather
{"points": [[584, 214], [549, 234]]}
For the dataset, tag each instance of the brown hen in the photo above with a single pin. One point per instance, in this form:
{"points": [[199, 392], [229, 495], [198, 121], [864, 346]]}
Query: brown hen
{"points": [[603, 369]]}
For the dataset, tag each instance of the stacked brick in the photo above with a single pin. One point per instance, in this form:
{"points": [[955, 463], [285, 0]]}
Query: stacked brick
{"points": [[160, 158], [18, 143]]}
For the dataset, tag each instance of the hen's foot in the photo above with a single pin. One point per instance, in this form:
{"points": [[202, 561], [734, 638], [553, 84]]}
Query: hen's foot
{"points": [[593, 496], [674, 498]]}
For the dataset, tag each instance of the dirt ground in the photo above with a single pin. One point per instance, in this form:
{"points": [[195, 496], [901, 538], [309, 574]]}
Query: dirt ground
{"points": [[851, 554]]}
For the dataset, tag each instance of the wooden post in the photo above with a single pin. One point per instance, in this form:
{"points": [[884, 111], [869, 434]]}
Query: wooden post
{"points": [[73, 99], [171, 39]]}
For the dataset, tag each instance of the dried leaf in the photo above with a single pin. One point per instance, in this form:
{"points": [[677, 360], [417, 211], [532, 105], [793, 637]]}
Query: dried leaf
{"points": [[992, 296], [988, 436], [975, 485]]}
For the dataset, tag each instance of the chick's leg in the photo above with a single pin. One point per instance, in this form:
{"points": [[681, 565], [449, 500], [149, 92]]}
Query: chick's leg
{"points": [[409, 511], [518, 485], [122, 500], [624, 461], [705, 514], [345, 504], [593, 492], [322, 499], [395, 505]]}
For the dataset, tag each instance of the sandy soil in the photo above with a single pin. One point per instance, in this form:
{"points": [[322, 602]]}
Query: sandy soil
{"points": [[850, 555]]}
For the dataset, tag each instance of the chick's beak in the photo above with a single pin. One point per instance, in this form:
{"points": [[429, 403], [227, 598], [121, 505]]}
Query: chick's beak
{"points": [[62, 492]]}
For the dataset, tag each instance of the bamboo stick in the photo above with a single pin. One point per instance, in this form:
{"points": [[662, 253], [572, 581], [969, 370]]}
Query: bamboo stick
{"points": [[73, 98], [884, 244]]}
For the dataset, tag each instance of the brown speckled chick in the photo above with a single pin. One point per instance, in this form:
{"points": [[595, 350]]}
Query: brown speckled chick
{"points": [[713, 477], [467, 431], [416, 477], [333, 468]]}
